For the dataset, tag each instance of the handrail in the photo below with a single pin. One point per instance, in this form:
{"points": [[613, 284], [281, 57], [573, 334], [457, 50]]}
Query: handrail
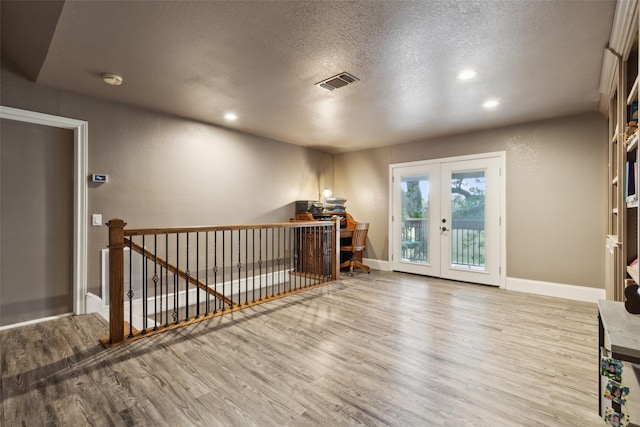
{"points": [[188, 229], [209, 270]]}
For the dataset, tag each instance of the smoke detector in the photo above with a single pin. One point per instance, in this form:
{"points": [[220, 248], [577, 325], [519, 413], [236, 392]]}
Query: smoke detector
{"points": [[112, 79], [337, 81]]}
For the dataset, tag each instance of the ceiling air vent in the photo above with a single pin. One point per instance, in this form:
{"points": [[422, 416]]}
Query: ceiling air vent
{"points": [[337, 81]]}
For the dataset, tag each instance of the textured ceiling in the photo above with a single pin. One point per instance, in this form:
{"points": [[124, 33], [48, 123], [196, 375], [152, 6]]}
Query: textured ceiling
{"points": [[260, 59]]}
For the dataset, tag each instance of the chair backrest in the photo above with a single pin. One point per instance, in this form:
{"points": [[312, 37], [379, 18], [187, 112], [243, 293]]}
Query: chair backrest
{"points": [[349, 222], [359, 240]]}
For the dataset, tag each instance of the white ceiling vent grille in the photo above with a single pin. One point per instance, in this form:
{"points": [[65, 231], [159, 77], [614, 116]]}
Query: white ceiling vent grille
{"points": [[337, 81]]}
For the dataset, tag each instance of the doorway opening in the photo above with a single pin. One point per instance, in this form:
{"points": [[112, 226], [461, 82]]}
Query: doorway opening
{"points": [[79, 197]]}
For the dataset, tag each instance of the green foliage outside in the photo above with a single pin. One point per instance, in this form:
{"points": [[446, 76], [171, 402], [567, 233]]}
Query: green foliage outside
{"points": [[467, 203], [414, 206]]}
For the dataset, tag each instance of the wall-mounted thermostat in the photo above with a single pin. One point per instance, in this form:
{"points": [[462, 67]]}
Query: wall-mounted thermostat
{"points": [[98, 177]]}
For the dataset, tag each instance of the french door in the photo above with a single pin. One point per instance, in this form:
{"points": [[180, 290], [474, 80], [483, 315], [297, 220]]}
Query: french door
{"points": [[446, 218]]}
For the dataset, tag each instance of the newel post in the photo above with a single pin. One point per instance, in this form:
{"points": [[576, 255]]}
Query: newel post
{"points": [[335, 248], [116, 280]]}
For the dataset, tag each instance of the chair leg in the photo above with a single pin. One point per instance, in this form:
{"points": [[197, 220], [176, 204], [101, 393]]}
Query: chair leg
{"points": [[360, 265], [354, 263]]}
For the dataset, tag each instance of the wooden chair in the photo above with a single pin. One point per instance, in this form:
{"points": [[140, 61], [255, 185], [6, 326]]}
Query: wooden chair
{"points": [[357, 246], [348, 222]]}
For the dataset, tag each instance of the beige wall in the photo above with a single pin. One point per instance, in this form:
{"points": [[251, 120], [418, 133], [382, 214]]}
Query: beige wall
{"points": [[556, 193], [167, 171]]}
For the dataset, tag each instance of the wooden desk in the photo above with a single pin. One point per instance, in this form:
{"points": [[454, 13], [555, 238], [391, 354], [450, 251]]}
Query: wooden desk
{"points": [[314, 247]]}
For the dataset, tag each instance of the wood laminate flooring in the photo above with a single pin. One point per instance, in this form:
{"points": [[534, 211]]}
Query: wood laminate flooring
{"points": [[380, 349]]}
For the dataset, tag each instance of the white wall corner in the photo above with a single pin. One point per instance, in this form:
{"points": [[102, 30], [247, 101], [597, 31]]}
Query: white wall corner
{"points": [[93, 303], [558, 290]]}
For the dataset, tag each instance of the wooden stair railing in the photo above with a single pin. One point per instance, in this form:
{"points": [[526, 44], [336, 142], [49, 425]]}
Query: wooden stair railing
{"points": [[173, 269], [309, 260]]}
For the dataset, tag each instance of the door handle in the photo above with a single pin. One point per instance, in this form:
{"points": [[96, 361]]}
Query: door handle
{"points": [[445, 229]]}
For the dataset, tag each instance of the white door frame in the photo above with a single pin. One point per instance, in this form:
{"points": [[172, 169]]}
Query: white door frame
{"points": [[80, 184], [502, 155]]}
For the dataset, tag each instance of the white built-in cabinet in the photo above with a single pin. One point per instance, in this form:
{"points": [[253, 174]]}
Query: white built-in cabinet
{"points": [[619, 333], [621, 110]]}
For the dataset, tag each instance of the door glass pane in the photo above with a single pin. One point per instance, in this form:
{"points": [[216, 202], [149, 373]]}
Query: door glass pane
{"points": [[468, 220], [415, 218]]}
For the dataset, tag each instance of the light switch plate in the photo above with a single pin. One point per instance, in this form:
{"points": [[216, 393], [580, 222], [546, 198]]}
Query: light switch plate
{"points": [[96, 220]]}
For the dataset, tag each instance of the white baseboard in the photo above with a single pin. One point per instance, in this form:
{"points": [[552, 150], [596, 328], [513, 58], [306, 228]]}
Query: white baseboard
{"points": [[559, 290], [34, 321], [93, 303], [377, 264]]}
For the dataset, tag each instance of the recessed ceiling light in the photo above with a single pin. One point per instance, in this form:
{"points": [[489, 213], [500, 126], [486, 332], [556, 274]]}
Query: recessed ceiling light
{"points": [[491, 103], [231, 117], [467, 74], [112, 79]]}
